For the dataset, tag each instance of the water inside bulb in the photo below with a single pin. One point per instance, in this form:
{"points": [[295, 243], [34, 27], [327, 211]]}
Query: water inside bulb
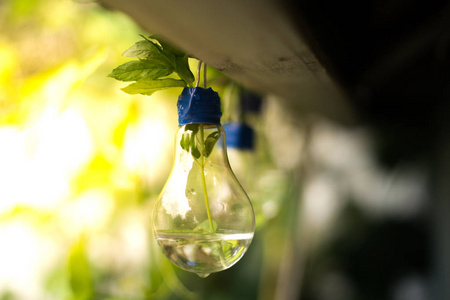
{"points": [[204, 254], [203, 220]]}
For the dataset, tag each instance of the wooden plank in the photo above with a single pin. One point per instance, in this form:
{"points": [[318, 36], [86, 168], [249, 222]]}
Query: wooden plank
{"points": [[253, 42]]}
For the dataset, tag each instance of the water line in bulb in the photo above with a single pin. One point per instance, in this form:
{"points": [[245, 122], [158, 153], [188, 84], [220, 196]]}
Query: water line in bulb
{"points": [[203, 220]]}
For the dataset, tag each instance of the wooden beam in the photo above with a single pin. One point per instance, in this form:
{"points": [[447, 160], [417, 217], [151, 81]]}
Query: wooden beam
{"points": [[253, 42]]}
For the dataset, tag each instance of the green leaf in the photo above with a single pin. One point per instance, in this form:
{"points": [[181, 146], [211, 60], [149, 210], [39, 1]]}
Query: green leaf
{"points": [[184, 142], [148, 87], [153, 41], [174, 56], [157, 59], [194, 149], [168, 47], [168, 58], [195, 152], [151, 51], [205, 227], [142, 49], [188, 139], [183, 70], [210, 142], [192, 127], [141, 69]]}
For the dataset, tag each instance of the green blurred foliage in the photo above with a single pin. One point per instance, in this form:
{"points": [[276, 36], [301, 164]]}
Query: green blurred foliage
{"points": [[81, 164], [81, 282]]}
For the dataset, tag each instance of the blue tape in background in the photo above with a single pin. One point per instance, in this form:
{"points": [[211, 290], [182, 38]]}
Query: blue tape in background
{"points": [[239, 135]]}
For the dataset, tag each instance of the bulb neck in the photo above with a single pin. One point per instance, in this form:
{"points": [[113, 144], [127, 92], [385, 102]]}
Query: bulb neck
{"points": [[202, 142], [198, 105]]}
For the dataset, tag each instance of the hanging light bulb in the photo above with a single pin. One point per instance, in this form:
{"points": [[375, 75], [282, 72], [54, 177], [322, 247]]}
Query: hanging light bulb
{"points": [[203, 220], [248, 155], [240, 148]]}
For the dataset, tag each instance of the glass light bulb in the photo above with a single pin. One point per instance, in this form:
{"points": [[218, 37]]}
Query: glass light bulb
{"points": [[203, 220], [266, 190]]}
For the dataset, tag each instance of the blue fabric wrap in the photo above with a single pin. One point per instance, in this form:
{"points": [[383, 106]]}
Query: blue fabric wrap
{"points": [[199, 105], [239, 135]]}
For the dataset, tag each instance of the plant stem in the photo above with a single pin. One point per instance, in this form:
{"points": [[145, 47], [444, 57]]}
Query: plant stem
{"points": [[205, 192], [198, 73]]}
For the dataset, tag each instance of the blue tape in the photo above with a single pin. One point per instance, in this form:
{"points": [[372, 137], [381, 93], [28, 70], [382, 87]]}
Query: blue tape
{"points": [[198, 105], [239, 135]]}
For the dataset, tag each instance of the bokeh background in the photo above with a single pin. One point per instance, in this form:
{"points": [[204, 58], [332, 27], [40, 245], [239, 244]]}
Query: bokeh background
{"points": [[82, 163]]}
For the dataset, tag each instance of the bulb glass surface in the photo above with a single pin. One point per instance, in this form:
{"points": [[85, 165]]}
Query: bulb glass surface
{"points": [[203, 219]]}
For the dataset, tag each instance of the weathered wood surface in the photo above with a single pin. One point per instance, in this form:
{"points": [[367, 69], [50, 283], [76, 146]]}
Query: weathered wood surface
{"points": [[253, 42]]}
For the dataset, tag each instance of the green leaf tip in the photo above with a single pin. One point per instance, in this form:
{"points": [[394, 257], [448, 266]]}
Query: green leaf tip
{"points": [[210, 142], [142, 49], [148, 87], [141, 69], [183, 70]]}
